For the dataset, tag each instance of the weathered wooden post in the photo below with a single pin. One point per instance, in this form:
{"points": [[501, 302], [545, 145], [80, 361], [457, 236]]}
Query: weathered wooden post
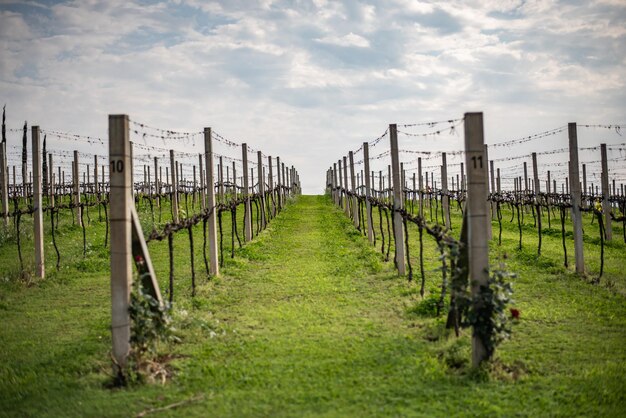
{"points": [[355, 200], [477, 215], [203, 192], [584, 190], [120, 227], [173, 188], [341, 191], [247, 219], [486, 164], [214, 263], [398, 225], [278, 184], [606, 204], [368, 193], [157, 188], [40, 270], [576, 197]]}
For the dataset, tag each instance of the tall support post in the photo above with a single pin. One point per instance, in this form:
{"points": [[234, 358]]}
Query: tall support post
{"points": [[606, 205], [525, 178], [247, 219], [345, 185], [486, 164], [76, 180], [278, 184], [341, 186], [234, 181], [421, 185], [584, 190], [214, 262], [355, 200], [40, 270], [368, 193], [195, 186], [537, 186], [173, 187], [336, 192], [575, 198], [270, 182], [120, 226], [157, 186], [4, 184], [477, 215], [221, 173], [285, 183], [96, 187], [261, 178], [445, 200], [398, 225], [51, 180], [202, 182], [493, 189]]}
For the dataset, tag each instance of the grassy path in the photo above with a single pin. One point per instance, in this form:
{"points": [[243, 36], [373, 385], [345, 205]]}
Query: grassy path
{"points": [[308, 321]]}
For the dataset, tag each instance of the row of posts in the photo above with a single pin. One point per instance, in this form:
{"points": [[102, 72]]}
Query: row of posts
{"points": [[477, 206], [121, 201]]}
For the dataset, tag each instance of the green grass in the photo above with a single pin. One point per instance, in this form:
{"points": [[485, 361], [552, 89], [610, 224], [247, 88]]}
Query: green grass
{"points": [[307, 320]]}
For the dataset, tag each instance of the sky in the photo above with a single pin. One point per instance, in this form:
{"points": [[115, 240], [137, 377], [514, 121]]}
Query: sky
{"points": [[310, 80]]}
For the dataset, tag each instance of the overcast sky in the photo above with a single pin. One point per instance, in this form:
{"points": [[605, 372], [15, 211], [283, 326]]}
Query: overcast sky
{"points": [[310, 80]]}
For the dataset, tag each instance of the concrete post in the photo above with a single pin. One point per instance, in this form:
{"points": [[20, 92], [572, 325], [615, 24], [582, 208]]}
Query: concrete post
{"points": [[355, 200], [4, 184], [575, 198], [247, 220], [345, 182], [261, 187], [76, 180], [120, 227], [214, 263], [398, 230], [445, 200], [606, 205], [477, 210], [173, 188], [40, 270], [368, 193]]}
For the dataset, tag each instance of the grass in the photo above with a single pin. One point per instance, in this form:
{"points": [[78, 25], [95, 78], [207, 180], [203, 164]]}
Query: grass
{"points": [[307, 320]]}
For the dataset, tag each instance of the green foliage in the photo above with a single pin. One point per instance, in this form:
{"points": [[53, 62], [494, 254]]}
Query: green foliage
{"points": [[151, 324], [488, 313]]}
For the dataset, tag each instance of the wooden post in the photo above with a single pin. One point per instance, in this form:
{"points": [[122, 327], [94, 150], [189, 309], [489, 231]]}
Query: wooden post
{"points": [[76, 180], [203, 191], [445, 200], [575, 198], [355, 200], [368, 193], [40, 270], [4, 184], [477, 211], [234, 182], [173, 188], [341, 188], [214, 263], [247, 219], [120, 227], [157, 187], [584, 190], [398, 227], [606, 204], [51, 180], [525, 178], [261, 187], [221, 173]]}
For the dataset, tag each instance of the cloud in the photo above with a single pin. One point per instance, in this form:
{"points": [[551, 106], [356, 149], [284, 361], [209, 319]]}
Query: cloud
{"points": [[311, 79]]}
